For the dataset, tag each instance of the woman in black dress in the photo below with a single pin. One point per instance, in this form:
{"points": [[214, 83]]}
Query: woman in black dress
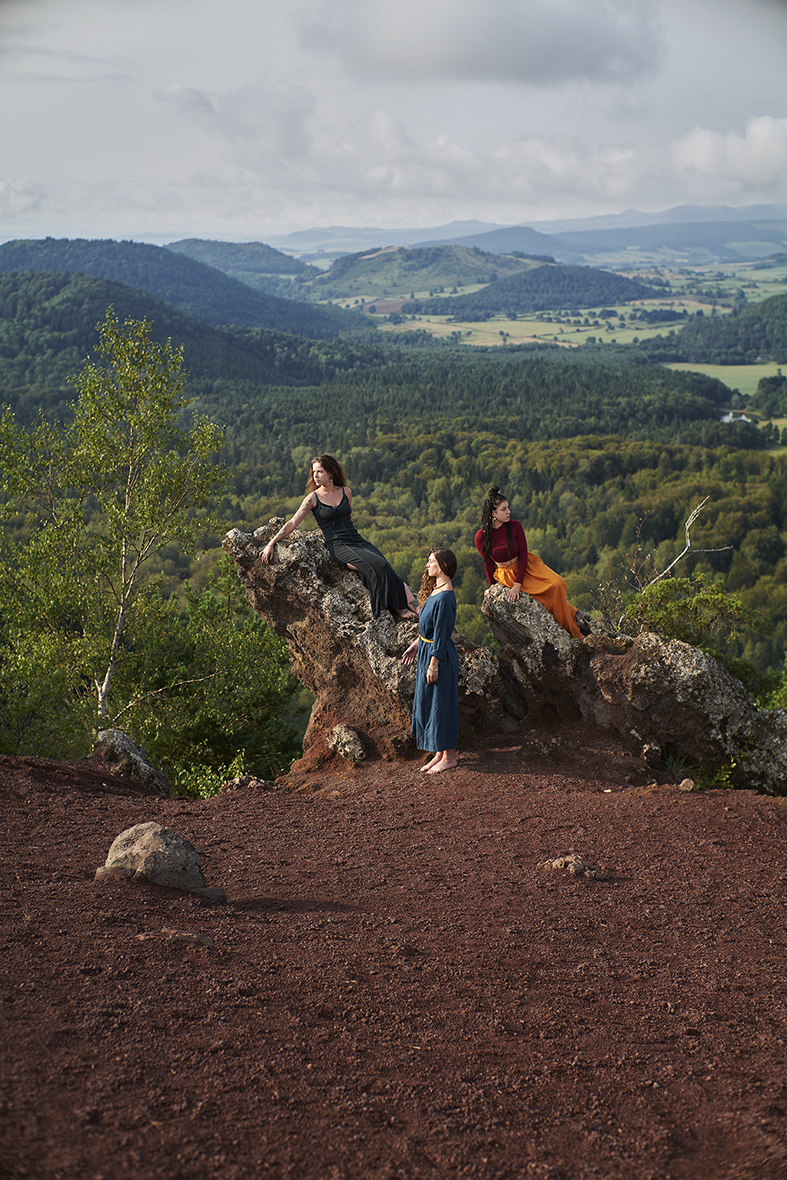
{"points": [[330, 501]]}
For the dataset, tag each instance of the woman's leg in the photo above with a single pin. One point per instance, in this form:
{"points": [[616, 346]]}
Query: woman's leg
{"points": [[412, 601], [435, 758], [386, 589], [548, 588], [445, 760]]}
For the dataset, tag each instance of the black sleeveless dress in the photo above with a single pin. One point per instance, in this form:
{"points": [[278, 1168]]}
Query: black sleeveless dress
{"points": [[347, 547]]}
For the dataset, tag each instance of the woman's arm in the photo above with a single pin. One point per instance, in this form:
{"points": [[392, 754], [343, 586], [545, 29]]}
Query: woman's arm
{"points": [[489, 565], [443, 621], [289, 527]]}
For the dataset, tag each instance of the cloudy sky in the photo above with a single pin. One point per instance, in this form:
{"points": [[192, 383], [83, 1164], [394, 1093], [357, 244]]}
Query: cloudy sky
{"points": [[239, 119]]}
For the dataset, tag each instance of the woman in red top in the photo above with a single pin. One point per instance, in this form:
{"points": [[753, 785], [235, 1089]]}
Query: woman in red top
{"points": [[502, 544]]}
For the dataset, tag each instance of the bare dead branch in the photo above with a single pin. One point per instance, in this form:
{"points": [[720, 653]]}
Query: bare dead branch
{"points": [[158, 692], [680, 556]]}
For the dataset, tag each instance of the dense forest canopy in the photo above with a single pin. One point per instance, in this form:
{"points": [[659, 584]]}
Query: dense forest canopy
{"points": [[756, 333], [48, 324], [771, 396], [252, 258], [253, 263], [540, 289]]}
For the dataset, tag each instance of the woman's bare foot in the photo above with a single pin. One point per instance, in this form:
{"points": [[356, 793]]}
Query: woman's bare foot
{"points": [[434, 759], [445, 761], [406, 614]]}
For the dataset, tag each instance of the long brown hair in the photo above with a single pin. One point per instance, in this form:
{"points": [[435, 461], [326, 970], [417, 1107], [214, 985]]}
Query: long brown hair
{"points": [[494, 497], [446, 559], [332, 466]]}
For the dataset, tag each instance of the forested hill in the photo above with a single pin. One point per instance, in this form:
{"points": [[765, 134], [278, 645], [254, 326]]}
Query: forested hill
{"points": [[542, 289], [758, 332], [253, 263], [191, 286], [400, 271], [248, 377], [48, 326]]}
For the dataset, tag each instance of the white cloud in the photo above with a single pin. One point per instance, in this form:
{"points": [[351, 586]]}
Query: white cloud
{"points": [[188, 99], [541, 42], [758, 157], [376, 163], [19, 197], [178, 114], [263, 122]]}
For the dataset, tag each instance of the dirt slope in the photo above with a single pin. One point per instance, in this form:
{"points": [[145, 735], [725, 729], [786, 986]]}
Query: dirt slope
{"points": [[399, 986]]}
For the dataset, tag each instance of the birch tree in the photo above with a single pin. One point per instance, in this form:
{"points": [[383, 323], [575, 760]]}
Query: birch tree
{"points": [[89, 505]]}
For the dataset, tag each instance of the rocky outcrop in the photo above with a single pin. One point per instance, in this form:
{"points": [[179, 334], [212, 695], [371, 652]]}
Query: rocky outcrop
{"points": [[350, 661], [129, 760], [151, 852], [658, 695]]}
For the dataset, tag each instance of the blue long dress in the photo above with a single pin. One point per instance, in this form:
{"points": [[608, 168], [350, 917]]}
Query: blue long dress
{"points": [[347, 547], [436, 706]]}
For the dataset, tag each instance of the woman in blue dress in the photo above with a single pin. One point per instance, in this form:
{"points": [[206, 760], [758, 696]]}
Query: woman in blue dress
{"points": [[330, 501], [435, 724]]}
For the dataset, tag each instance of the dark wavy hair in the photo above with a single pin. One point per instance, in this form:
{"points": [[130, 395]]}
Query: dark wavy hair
{"points": [[494, 497], [332, 466], [446, 559]]}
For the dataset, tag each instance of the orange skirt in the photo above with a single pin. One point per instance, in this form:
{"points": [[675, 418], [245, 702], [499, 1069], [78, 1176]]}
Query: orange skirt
{"points": [[547, 587]]}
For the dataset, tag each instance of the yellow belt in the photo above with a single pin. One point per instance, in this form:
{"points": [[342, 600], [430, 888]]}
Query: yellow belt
{"points": [[420, 636]]}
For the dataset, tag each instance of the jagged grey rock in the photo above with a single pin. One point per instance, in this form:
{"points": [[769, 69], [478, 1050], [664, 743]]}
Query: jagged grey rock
{"points": [[651, 691], [345, 741], [248, 782], [129, 760], [151, 852], [577, 865]]}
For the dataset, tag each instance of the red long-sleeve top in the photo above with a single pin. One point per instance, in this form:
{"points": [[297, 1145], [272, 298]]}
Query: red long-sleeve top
{"points": [[500, 552]]}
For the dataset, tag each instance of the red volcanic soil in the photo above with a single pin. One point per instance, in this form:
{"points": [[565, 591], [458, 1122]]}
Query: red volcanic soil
{"points": [[400, 985]]}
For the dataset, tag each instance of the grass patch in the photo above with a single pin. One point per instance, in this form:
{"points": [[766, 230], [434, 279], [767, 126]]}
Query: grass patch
{"points": [[741, 377]]}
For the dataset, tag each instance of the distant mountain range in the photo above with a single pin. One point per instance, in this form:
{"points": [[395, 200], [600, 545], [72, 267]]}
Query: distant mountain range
{"points": [[678, 244], [751, 232], [340, 239]]}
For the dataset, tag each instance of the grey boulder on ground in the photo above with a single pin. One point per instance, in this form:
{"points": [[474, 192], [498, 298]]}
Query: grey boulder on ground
{"points": [[129, 760], [151, 852]]}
